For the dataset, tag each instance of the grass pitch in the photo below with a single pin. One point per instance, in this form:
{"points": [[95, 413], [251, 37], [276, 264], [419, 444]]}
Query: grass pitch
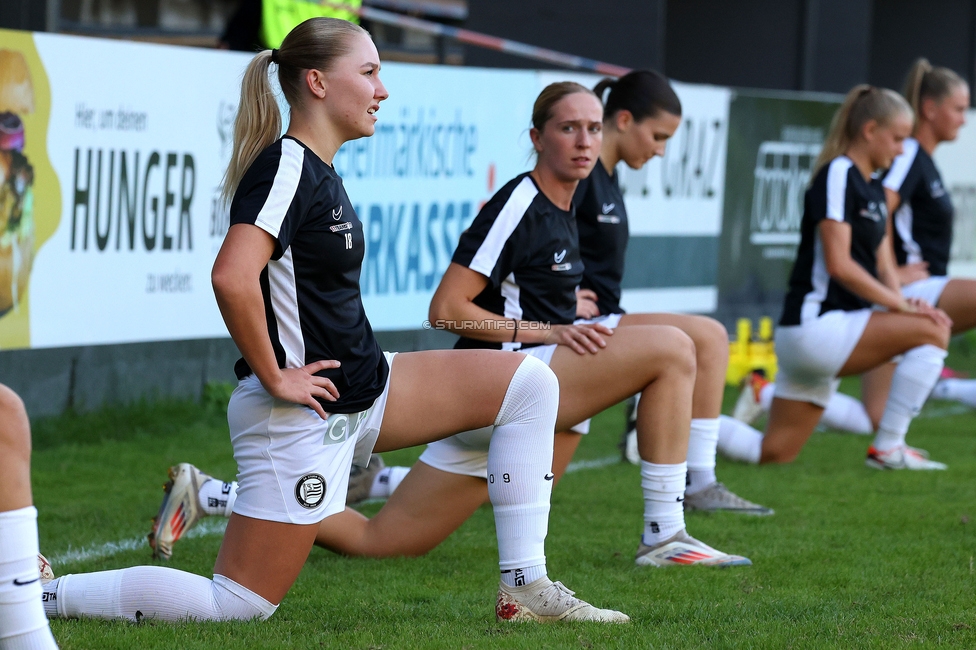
{"points": [[852, 558]]}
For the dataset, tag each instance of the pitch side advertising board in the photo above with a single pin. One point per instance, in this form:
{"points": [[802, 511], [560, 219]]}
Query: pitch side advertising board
{"points": [[773, 144], [111, 218]]}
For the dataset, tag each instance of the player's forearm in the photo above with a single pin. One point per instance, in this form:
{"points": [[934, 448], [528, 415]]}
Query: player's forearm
{"points": [[242, 307]]}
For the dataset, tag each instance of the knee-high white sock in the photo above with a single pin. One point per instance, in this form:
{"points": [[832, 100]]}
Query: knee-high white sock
{"points": [[23, 624], [701, 453], [766, 396], [217, 497], [957, 390], [386, 481], [915, 375], [519, 471], [664, 489], [738, 441], [160, 593], [845, 413]]}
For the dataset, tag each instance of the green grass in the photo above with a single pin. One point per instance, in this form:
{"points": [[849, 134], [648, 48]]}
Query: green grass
{"points": [[852, 558]]}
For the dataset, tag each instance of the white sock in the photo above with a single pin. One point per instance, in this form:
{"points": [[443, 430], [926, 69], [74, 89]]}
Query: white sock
{"points": [[738, 441], [664, 489], [766, 396], [22, 620], [701, 454], [154, 592], [386, 481], [845, 413], [519, 469], [217, 498], [915, 375], [957, 390]]}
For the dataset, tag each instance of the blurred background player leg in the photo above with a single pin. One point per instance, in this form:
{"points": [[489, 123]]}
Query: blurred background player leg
{"points": [[23, 625]]}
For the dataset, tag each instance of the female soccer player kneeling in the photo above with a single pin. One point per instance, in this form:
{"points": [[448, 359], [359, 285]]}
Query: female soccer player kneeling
{"points": [[314, 385], [844, 313], [922, 213]]}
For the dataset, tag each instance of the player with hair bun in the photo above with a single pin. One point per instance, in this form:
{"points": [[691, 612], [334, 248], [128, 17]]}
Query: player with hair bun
{"points": [[641, 113], [844, 313]]}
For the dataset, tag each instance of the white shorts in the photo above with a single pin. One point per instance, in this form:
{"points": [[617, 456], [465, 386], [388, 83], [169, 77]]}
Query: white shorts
{"points": [[467, 453], [810, 355], [293, 466], [929, 289]]}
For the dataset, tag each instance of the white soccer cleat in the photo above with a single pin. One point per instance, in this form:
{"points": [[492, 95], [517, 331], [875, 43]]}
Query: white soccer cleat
{"points": [[683, 549], [545, 601], [180, 509], [717, 497], [748, 408], [361, 480], [631, 454], [903, 457], [45, 569]]}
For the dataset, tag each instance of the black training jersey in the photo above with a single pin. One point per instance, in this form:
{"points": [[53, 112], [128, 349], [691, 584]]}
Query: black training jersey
{"points": [[529, 251], [603, 234], [923, 221], [838, 192], [311, 285]]}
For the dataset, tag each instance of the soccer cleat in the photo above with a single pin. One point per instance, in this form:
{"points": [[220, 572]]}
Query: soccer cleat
{"points": [[683, 549], [628, 442], [545, 601], [631, 454], [718, 497], [180, 509], [903, 457], [361, 480], [45, 569], [747, 407]]}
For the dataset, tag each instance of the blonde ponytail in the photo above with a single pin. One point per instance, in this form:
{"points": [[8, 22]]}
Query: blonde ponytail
{"points": [[925, 82], [862, 104], [258, 122], [313, 45]]}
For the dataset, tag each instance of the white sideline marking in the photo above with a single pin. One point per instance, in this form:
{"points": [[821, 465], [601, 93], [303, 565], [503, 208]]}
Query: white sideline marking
{"points": [[216, 526], [210, 526]]}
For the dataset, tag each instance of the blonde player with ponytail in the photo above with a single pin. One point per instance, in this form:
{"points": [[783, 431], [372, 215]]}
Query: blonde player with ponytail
{"points": [[844, 313], [314, 384]]}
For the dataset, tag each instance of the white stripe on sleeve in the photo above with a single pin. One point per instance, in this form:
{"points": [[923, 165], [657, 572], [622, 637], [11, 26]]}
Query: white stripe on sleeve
{"points": [[837, 187], [283, 188], [899, 168], [284, 302], [508, 219]]}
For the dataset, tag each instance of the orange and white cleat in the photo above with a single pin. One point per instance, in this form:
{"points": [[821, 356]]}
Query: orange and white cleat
{"points": [[748, 407], [180, 509], [903, 457], [684, 550]]}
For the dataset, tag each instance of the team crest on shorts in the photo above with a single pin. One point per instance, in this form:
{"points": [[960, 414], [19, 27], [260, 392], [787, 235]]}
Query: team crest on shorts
{"points": [[310, 491]]}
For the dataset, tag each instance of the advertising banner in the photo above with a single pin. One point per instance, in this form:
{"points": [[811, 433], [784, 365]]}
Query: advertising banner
{"points": [[112, 155], [773, 143]]}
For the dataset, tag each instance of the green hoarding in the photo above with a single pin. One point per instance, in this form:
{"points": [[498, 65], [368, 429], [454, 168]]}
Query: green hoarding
{"points": [[774, 140]]}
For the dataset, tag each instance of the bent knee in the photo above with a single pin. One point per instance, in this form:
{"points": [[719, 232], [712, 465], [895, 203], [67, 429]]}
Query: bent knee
{"points": [[681, 351], [778, 456], [11, 406], [711, 341]]}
